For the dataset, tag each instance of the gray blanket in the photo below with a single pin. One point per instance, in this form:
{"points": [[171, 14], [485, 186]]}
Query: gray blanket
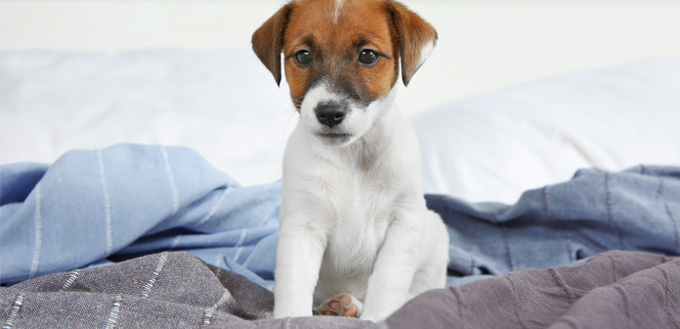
{"points": [[616, 289]]}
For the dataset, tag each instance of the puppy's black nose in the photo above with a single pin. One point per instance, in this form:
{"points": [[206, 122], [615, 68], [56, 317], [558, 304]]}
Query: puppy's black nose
{"points": [[330, 114]]}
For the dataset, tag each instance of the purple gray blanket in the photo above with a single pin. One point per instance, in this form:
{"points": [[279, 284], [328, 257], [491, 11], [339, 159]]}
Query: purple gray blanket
{"points": [[616, 289]]}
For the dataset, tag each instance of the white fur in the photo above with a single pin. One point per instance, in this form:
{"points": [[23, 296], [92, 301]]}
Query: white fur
{"points": [[336, 10], [426, 52], [353, 219]]}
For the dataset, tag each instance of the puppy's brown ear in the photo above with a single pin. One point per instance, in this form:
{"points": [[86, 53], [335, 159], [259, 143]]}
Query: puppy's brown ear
{"points": [[268, 41], [416, 38]]}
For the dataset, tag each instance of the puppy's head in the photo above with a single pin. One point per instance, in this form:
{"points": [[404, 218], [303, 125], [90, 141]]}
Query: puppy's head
{"points": [[342, 60]]}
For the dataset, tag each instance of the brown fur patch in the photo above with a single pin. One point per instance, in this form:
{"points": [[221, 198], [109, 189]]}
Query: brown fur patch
{"points": [[268, 41], [414, 34], [384, 26], [361, 25]]}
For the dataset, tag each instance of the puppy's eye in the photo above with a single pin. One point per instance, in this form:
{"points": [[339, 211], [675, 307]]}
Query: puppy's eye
{"points": [[303, 57], [368, 57]]}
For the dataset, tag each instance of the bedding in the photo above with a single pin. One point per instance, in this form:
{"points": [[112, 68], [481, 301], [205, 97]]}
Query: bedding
{"points": [[129, 200], [132, 200], [143, 234], [616, 289], [222, 103], [496, 145]]}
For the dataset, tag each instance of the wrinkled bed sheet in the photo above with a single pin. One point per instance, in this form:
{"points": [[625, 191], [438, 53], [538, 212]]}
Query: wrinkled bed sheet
{"points": [[60, 223], [92, 208], [616, 289]]}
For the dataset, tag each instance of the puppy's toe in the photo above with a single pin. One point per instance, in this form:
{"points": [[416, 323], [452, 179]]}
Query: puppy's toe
{"points": [[340, 305]]}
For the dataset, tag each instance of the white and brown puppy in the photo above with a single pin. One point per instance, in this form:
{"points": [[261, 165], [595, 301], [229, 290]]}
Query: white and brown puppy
{"points": [[356, 238]]}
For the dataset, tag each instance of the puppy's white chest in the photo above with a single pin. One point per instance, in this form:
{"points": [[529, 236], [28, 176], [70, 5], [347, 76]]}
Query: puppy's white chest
{"points": [[356, 238], [361, 215]]}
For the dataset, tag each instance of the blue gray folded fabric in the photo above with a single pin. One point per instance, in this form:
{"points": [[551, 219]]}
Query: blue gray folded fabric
{"points": [[92, 208]]}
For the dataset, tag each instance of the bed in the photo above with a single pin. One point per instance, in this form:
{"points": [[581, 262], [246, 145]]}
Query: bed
{"points": [[141, 189]]}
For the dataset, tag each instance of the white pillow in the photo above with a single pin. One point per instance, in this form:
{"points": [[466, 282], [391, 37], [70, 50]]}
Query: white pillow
{"points": [[223, 103], [493, 146]]}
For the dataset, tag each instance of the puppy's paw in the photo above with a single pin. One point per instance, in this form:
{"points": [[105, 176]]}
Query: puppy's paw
{"points": [[341, 305]]}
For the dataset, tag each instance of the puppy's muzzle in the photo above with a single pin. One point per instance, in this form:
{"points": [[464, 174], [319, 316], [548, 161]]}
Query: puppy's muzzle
{"points": [[331, 114]]}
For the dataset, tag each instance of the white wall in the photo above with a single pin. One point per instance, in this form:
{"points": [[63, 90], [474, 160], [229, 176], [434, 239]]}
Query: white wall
{"points": [[483, 45]]}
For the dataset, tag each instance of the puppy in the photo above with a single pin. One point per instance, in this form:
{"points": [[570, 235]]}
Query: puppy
{"points": [[356, 238]]}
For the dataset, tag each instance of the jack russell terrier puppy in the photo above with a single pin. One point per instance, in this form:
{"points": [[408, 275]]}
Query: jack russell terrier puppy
{"points": [[356, 238]]}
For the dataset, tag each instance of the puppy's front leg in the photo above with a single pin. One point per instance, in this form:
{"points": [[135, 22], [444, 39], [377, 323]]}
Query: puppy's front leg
{"points": [[393, 271], [298, 259]]}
